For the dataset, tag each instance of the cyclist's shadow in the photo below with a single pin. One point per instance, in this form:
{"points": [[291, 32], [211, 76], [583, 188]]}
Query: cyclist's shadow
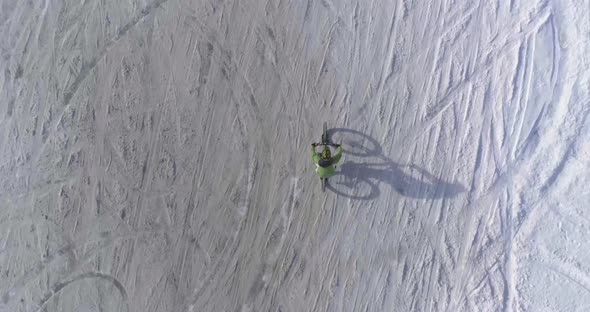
{"points": [[360, 180]]}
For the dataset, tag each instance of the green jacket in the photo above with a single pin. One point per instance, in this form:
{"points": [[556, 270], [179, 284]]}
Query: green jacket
{"points": [[329, 171]]}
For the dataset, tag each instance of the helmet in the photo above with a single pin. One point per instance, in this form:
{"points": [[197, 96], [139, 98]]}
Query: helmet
{"points": [[326, 154]]}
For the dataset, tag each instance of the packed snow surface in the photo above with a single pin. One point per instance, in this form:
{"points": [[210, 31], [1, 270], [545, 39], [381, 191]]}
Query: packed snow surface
{"points": [[154, 155]]}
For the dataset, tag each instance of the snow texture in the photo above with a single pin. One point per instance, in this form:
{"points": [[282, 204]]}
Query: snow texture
{"points": [[154, 155]]}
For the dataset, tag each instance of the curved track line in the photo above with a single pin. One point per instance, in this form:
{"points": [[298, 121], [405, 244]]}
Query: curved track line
{"points": [[57, 288]]}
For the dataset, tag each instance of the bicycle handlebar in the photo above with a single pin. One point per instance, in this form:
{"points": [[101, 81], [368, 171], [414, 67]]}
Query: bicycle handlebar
{"points": [[331, 144]]}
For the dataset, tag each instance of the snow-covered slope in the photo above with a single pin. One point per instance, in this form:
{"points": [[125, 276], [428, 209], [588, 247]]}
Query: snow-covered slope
{"points": [[154, 155]]}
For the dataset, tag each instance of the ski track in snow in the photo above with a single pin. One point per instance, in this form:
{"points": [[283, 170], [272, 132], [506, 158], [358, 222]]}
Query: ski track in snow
{"points": [[154, 155]]}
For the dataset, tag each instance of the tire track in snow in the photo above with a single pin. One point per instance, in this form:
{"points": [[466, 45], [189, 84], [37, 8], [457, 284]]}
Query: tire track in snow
{"points": [[509, 275], [479, 73], [17, 285], [516, 171], [540, 207], [273, 248], [387, 70], [459, 19], [563, 267], [223, 57], [454, 24], [77, 251], [510, 294], [149, 163], [196, 184], [228, 253], [59, 287], [89, 66], [525, 89]]}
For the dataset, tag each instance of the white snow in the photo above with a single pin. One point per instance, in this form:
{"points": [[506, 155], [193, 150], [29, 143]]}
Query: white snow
{"points": [[154, 155]]}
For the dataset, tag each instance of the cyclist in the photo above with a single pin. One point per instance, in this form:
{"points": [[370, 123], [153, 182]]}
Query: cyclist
{"points": [[324, 161]]}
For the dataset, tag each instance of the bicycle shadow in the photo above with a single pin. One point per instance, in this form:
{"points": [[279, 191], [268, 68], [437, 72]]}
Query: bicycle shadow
{"points": [[359, 180]]}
